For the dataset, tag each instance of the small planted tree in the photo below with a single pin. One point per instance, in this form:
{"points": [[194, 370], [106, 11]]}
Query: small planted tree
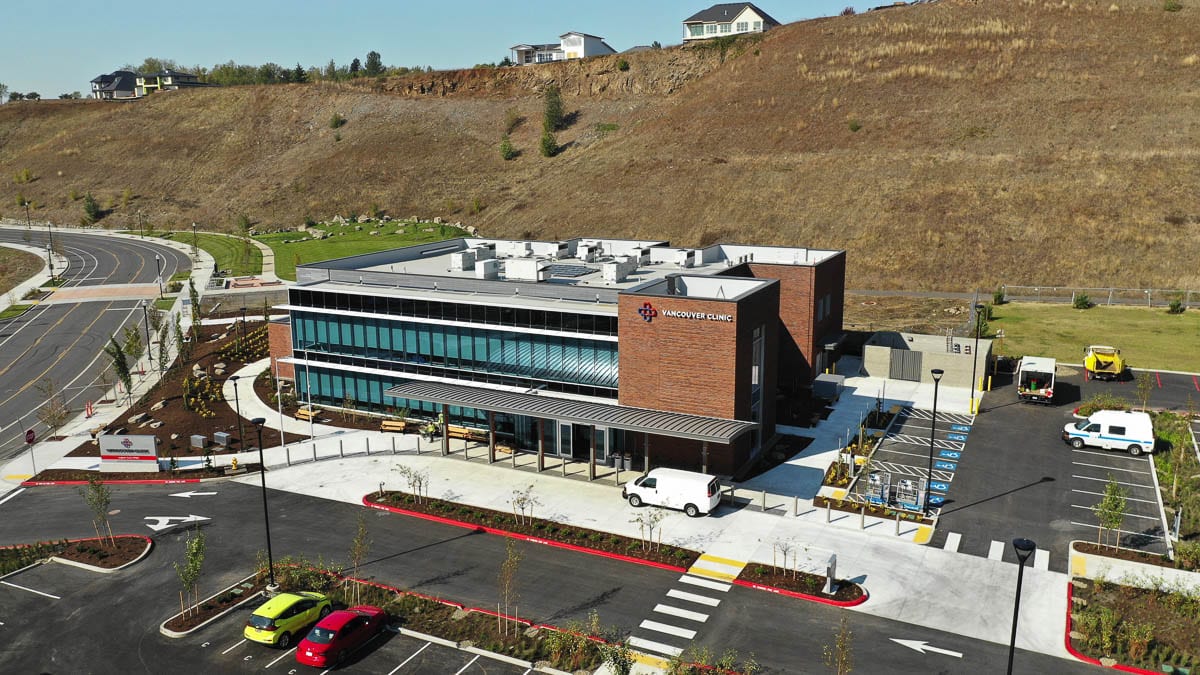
{"points": [[360, 546], [508, 585], [1145, 385], [840, 655], [648, 522], [522, 501], [120, 367], [1110, 512], [548, 144], [507, 151], [54, 410], [99, 499], [416, 479], [553, 113], [189, 571], [194, 298]]}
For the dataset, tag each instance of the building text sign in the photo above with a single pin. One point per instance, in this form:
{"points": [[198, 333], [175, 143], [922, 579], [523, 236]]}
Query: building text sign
{"points": [[648, 312]]}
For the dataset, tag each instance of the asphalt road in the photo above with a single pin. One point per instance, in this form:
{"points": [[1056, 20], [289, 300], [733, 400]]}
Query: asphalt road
{"points": [[64, 343], [109, 623]]}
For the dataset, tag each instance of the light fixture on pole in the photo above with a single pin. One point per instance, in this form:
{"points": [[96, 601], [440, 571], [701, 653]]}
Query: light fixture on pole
{"points": [[262, 472], [237, 402], [146, 318], [50, 246], [158, 264], [1024, 549], [28, 222], [937, 378], [979, 308]]}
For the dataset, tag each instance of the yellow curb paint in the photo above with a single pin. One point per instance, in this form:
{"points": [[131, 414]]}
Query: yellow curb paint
{"points": [[712, 573], [924, 534], [653, 661], [839, 494], [19, 476], [1078, 566], [723, 561]]}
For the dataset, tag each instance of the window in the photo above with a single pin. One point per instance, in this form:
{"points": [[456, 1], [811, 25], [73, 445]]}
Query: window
{"points": [[711, 29], [696, 31], [758, 25], [743, 26], [726, 28], [1117, 431]]}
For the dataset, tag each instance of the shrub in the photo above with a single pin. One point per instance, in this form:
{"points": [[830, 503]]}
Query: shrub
{"points": [[1187, 555], [855, 125], [549, 144], [1172, 6], [1081, 301], [507, 151], [554, 115], [91, 210], [1102, 401], [603, 128], [848, 11], [622, 65], [23, 176], [337, 121], [998, 296], [512, 119], [1176, 306]]}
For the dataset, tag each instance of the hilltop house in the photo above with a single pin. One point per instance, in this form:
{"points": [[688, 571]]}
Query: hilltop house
{"points": [[730, 18], [117, 84], [165, 81], [571, 45]]}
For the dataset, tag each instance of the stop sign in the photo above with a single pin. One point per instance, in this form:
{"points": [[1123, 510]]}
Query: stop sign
{"points": [[30, 437]]}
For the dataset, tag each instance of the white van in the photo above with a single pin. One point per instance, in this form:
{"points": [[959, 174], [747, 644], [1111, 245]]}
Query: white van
{"points": [[695, 493], [1113, 430]]}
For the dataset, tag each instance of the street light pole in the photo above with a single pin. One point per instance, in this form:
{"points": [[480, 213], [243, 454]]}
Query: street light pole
{"points": [[50, 246], [312, 434], [975, 356], [237, 402], [1024, 549], [937, 378], [158, 264], [262, 472], [194, 240], [146, 318]]}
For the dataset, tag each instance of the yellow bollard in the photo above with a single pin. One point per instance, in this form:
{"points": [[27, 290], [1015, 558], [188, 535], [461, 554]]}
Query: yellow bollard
{"points": [[989, 383], [233, 463]]}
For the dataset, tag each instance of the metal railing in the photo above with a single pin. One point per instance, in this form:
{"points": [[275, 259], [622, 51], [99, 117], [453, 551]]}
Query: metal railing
{"points": [[1150, 297]]}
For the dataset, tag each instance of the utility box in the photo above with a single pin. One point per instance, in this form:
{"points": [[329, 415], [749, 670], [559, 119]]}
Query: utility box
{"points": [[222, 439], [199, 441]]}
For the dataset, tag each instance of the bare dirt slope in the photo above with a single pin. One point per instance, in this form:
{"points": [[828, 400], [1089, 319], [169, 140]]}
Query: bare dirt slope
{"points": [[949, 145]]}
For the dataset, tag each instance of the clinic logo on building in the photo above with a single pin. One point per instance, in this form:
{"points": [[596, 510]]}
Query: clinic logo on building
{"points": [[648, 312], [127, 443]]}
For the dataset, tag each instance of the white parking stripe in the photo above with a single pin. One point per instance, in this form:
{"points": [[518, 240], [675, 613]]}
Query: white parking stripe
{"points": [[1127, 514], [460, 670], [6, 583], [280, 657], [668, 629], [953, 539], [692, 597], [996, 550], [1111, 468], [1127, 498], [681, 613], [639, 643], [414, 655], [697, 581], [1136, 534], [1107, 454], [234, 647], [1105, 480], [14, 494]]}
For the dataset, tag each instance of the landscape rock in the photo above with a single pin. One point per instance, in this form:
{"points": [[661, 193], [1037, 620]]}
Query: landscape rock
{"points": [[438, 220], [138, 418], [156, 424], [220, 365], [160, 405], [373, 233]]}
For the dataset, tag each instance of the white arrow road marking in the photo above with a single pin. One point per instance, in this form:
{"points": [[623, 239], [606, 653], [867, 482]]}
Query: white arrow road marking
{"points": [[922, 646], [191, 494], [163, 522]]}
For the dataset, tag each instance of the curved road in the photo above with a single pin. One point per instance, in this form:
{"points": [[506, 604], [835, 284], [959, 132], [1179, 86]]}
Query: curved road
{"points": [[62, 340]]}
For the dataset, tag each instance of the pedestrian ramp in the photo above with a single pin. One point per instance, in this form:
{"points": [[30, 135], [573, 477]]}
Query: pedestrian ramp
{"points": [[685, 609]]}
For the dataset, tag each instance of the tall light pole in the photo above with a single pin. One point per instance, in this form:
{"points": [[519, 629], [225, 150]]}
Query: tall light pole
{"points": [[262, 472], [49, 233], [975, 354], [937, 378], [28, 222], [194, 247], [237, 402], [1024, 549], [158, 264], [146, 318], [279, 399]]}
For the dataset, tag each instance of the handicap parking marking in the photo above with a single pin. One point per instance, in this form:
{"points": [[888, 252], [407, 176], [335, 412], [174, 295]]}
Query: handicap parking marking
{"points": [[945, 466], [949, 454], [939, 486], [957, 437], [937, 500], [960, 427]]}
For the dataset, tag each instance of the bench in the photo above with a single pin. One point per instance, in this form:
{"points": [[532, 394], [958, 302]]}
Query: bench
{"points": [[307, 415], [393, 425], [466, 433]]}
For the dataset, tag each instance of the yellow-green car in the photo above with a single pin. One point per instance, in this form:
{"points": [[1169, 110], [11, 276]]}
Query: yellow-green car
{"points": [[281, 619]]}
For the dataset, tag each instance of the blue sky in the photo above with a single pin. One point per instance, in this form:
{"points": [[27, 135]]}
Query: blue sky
{"points": [[57, 46]]}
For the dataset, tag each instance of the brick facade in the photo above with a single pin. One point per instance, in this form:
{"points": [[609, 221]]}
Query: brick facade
{"points": [[279, 338]]}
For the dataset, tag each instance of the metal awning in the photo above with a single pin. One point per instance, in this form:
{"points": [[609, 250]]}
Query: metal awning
{"points": [[611, 415]]}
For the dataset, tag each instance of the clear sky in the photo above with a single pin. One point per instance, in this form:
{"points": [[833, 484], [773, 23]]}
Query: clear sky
{"points": [[57, 46]]}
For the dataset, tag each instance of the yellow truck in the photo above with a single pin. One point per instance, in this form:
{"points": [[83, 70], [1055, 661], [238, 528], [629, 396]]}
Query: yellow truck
{"points": [[1103, 363]]}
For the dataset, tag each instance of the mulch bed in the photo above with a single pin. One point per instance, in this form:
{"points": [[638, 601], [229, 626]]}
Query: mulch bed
{"points": [[542, 529], [215, 606], [83, 475], [799, 582], [1106, 625], [1158, 559], [876, 511], [101, 553]]}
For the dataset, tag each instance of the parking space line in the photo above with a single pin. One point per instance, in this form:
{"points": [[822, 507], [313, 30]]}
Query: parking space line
{"points": [[1127, 513], [6, 583], [1136, 534], [1041, 559], [234, 647], [1109, 454], [469, 663], [278, 658], [14, 494], [414, 655], [1128, 499], [996, 550], [1105, 480], [1111, 468]]}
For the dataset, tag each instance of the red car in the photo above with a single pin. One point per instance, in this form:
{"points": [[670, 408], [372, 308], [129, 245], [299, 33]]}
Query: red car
{"points": [[339, 634]]}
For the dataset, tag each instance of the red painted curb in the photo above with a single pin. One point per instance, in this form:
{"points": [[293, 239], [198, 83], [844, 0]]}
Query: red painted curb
{"points": [[804, 596], [148, 481], [1087, 659], [143, 537], [525, 537]]}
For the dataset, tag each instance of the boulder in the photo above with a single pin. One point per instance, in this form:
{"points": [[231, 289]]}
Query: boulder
{"points": [[364, 218], [156, 424], [139, 418], [160, 405], [438, 220], [358, 228], [220, 365], [373, 233], [174, 437]]}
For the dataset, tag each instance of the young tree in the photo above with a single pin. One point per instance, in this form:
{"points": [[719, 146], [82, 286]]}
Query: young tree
{"points": [[299, 74], [54, 411], [99, 499], [133, 342], [194, 298], [193, 563], [359, 547], [508, 580], [415, 479], [548, 144], [507, 151], [91, 210], [647, 522], [553, 115], [522, 501], [120, 366], [164, 348], [355, 67], [839, 656], [185, 348], [1111, 509], [1145, 384], [374, 65]]}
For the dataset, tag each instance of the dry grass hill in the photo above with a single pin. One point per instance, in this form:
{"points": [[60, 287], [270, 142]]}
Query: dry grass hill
{"points": [[950, 145]]}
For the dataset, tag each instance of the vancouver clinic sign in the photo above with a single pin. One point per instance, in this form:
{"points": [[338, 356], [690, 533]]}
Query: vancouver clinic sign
{"points": [[648, 312]]}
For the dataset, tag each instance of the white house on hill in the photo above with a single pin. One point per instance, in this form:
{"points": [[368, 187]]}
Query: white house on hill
{"points": [[731, 18], [571, 45]]}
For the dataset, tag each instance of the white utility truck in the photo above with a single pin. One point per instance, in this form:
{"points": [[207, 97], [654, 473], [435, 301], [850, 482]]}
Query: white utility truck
{"points": [[696, 493], [1035, 379], [1112, 430]]}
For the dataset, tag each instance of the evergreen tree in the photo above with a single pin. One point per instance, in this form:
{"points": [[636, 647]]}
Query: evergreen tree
{"points": [[374, 64], [355, 67], [299, 74], [553, 117]]}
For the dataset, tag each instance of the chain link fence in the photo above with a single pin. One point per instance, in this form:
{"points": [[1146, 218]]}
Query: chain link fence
{"points": [[1149, 297]]}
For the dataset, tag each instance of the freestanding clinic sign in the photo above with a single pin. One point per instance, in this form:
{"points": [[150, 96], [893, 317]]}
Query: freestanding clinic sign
{"points": [[128, 453]]}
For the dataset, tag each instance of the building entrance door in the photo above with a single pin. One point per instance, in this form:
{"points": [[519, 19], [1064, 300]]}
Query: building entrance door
{"points": [[581, 441]]}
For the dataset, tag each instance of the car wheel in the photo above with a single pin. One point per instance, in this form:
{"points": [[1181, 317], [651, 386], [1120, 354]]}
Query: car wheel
{"points": [[635, 501], [1135, 450], [691, 510], [324, 611], [284, 640], [1077, 443]]}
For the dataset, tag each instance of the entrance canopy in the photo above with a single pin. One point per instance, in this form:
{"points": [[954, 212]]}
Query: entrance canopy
{"points": [[658, 422]]}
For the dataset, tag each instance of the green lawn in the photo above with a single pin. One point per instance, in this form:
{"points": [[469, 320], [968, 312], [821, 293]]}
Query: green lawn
{"points": [[1147, 338], [346, 241], [14, 310], [230, 253]]}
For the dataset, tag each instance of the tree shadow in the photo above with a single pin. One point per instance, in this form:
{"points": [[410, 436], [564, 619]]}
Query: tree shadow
{"points": [[1043, 479]]}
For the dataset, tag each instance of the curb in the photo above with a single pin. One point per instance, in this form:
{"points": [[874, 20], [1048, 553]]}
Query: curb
{"points": [[524, 537], [147, 481], [162, 627], [107, 570], [1087, 659], [804, 596]]}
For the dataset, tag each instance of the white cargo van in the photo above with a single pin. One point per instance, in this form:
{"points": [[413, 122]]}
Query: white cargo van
{"points": [[695, 493], [1113, 430]]}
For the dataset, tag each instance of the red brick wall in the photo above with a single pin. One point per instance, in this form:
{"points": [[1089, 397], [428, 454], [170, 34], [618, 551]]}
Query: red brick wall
{"points": [[279, 338]]}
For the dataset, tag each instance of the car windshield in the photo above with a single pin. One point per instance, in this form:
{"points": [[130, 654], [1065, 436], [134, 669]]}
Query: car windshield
{"points": [[260, 621], [1082, 424], [321, 636]]}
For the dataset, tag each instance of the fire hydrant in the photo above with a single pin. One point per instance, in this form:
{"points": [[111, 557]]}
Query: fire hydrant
{"points": [[233, 463]]}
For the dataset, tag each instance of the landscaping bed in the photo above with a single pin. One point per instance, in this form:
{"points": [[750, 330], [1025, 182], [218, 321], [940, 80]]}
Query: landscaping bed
{"points": [[217, 605], [103, 553], [800, 582], [64, 475], [549, 530], [877, 511], [1135, 626]]}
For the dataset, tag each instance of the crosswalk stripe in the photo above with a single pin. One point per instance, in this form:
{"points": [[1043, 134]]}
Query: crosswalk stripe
{"points": [[668, 629], [681, 613], [953, 539], [696, 581], [639, 643], [724, 576], [692, 597], [996, 550], [1041, 559]]}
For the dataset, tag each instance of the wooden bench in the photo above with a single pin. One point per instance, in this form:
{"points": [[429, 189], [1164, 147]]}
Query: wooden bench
{"points": [[466, 433], [393, 425], [307, 415]]}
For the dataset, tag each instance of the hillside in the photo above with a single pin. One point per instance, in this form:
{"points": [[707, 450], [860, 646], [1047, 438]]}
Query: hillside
{"points": [[950, 146]]}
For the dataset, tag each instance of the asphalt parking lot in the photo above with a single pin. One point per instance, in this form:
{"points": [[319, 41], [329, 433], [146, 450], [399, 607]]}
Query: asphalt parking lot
{"points": [[902, 462]]}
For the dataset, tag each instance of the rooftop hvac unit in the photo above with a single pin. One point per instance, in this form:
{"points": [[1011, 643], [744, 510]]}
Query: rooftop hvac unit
{"points": [[462, 260], [563, 250], [525, 269], [685, 257], [642, 257], [485, 251], [586, 253], [487, 269], [616, 272]]}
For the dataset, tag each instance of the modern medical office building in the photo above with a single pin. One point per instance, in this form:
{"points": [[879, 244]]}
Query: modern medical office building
{"points": [[586, 348]]}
